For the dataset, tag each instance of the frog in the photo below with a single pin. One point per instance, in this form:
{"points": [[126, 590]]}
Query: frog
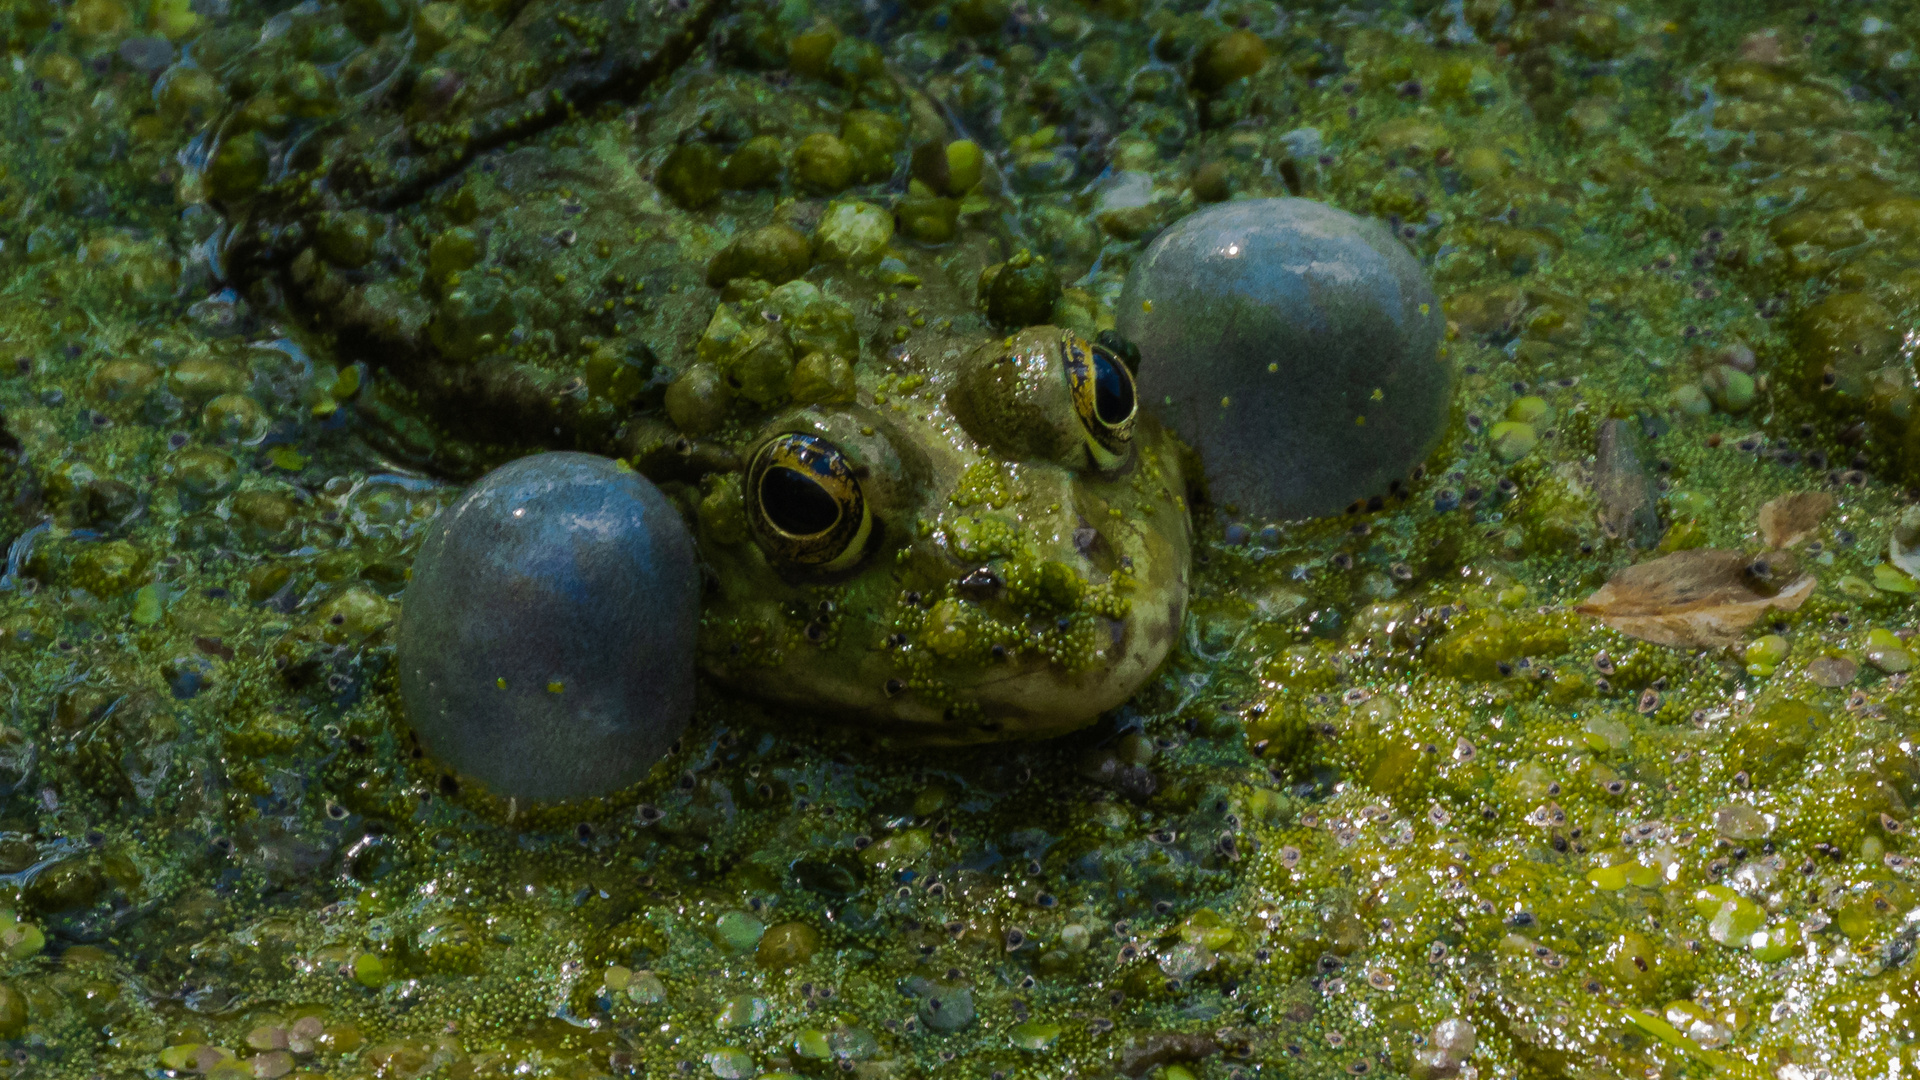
{"points": [[715, 275]]}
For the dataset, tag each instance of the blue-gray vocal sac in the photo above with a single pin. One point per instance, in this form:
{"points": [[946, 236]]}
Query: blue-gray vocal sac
{"points": [[547, 635], [1296, 347]]}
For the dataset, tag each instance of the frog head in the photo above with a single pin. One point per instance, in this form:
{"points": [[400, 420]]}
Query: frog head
{"points": [[989, 541]]}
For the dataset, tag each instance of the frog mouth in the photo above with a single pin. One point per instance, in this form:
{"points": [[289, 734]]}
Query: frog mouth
{"points": [[1039, 700], [1019, 695], [1031, 697]]}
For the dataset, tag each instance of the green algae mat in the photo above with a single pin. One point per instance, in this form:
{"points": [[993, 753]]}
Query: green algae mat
{"points": [[1589, 752]]}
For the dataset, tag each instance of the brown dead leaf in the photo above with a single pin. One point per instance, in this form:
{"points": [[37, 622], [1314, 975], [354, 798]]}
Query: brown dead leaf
{"points": [[1790, 519], [1690, 599]]}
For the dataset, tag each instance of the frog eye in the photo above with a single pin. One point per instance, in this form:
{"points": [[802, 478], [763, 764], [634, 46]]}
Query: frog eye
{"points": [[805, 504], [1104, 397]]}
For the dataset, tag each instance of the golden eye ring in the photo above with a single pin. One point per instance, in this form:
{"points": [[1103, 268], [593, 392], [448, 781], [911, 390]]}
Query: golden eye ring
{"points": [[805, 504], [1105, 399]]}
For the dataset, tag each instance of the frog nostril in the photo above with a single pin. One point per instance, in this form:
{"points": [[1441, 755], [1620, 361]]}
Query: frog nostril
{"points": [[980, 584], [1088, 542]]}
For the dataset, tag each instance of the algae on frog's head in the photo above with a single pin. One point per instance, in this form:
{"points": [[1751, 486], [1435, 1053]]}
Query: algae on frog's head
{"points": [[1005, 560]]}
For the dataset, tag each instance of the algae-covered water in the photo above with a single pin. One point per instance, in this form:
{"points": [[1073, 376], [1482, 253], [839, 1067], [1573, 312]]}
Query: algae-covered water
{"points": [[1394, 806]]}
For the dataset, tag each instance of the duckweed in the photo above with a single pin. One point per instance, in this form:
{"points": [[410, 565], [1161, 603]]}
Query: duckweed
{"points": [[238, 167], [691, 175], [788, 945], [1228, 58], [823, 164], [854, 232], [1512, 440], [1390, 808], [1020, 292], [948, 168], [774, 254], [1729, 389]]}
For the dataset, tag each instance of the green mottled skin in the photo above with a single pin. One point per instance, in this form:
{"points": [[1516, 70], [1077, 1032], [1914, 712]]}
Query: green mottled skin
{"points": [[1091, 562], [1386, 782]]}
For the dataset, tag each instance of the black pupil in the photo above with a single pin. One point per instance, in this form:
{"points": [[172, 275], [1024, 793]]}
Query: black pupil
{"points": [[797, 503], [1112, 390]]}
